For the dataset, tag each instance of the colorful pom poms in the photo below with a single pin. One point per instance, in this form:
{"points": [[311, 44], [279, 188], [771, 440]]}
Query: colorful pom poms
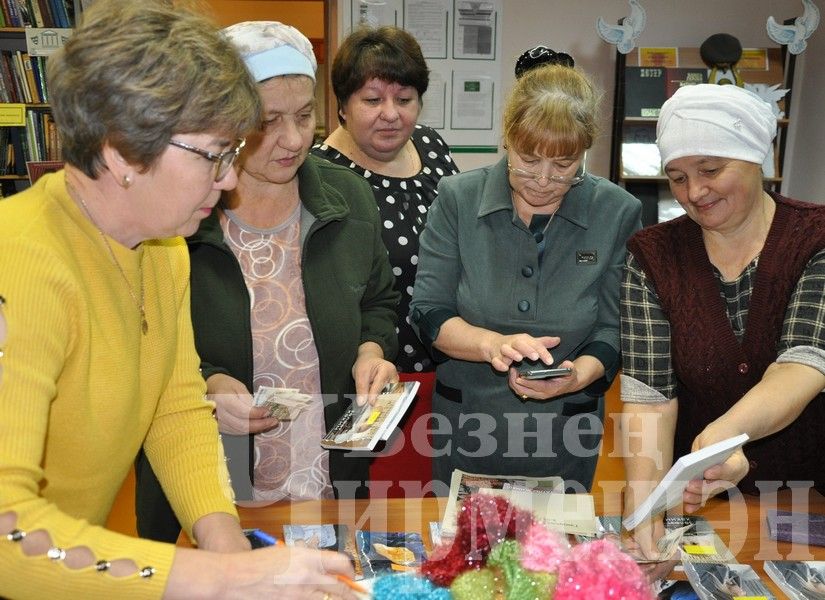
{"points": [[406, 586], [483, 522]]}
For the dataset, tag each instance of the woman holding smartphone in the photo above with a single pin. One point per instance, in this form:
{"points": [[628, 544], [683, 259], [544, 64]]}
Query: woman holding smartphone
{"points": [[550, 300]]}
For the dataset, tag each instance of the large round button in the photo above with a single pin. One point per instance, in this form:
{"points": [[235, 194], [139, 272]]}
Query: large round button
{"points": [[523, 306], [743, 368], [527, 271]]}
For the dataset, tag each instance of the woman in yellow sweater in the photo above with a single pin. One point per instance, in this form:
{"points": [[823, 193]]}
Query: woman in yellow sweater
{"points": [[98, 357]]}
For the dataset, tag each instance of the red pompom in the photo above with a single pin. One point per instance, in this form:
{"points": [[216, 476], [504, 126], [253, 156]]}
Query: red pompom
{"points": [[483, 522]]}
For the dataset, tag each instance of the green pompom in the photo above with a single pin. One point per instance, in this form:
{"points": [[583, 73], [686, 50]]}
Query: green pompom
{"points": [[521, 584], [532, 585], [475, 585]]}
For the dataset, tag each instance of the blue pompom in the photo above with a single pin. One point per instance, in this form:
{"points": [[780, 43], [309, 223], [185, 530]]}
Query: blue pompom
{"points": [[406, 586]]}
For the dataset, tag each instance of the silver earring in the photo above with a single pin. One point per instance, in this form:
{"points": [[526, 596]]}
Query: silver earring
{"points": [[127, 181]]}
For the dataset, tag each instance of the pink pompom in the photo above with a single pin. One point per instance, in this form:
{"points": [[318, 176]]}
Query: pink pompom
{"points": [[543, 550], [600, 570]]}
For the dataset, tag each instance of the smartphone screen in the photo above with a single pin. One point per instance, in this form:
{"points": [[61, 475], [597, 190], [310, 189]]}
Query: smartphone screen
{"points": [[545, 373]]}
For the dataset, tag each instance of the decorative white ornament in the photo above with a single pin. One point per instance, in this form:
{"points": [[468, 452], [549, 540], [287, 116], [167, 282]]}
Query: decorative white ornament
{"points": [[770, 94], [624, 36], [794, 35]]}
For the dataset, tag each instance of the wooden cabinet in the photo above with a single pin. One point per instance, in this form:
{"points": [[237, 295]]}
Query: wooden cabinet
{"points": [[640, 91]]}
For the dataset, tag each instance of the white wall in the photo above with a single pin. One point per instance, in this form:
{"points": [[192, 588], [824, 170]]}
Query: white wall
{"points": [[570, 25]]}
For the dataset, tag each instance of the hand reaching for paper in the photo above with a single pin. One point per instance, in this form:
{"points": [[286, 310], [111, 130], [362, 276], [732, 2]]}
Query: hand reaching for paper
{"points": [[655, 551]]}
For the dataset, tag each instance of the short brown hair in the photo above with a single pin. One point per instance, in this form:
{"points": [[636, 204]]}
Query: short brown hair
{"points": [[135, 73], [387, 53], [551, 111]]}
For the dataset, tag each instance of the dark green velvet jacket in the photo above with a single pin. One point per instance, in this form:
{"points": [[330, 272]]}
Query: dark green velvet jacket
{"points": [[348, 284]]}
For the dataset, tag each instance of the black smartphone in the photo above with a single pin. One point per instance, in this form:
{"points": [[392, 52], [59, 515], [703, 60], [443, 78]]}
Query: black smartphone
{"points": [[545, 373]]}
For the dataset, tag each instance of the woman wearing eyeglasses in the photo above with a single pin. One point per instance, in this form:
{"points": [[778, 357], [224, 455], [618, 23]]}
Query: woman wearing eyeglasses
{"points": [[519, 269], [291, 288], [96, 349]]}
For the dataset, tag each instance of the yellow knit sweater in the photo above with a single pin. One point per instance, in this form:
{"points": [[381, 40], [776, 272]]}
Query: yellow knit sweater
{"points": [[82, 389]]}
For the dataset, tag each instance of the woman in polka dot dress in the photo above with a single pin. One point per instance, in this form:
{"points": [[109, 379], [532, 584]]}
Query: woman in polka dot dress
{"points": [[379, 77]]}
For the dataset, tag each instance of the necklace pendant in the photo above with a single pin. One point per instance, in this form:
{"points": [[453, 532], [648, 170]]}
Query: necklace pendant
{"points": [[144, 326]]}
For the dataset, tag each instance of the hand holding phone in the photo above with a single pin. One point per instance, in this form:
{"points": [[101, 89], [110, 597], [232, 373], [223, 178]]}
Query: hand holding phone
{"points": [[545, 373]]}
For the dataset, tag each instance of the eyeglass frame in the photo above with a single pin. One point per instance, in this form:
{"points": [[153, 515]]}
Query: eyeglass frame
{"points": [[559, 179], [221, 167]]}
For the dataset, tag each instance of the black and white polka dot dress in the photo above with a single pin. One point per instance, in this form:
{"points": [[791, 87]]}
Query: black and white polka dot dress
{"points": [[403, 204]]}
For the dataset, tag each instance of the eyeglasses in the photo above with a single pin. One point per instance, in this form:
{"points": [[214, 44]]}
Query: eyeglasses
{"points": [[223, 161], [559, 179]]}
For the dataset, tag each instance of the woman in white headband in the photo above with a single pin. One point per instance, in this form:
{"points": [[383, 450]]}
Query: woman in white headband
{"points": [[291, 288], [722, 310]]}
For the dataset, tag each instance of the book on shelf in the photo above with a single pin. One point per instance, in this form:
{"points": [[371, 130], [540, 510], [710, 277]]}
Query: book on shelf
{"points": [[676, 77], [647, 88], [22, 77], [36, 169], [668, 493], [796, 527], [799, 579], [362, 427], [31, 81], [644, 91], [9, 89], [382, 552], [726, 581], [36, 13]]}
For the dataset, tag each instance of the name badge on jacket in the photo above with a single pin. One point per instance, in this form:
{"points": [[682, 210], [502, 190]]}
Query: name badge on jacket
{"points": [[587, 257]]}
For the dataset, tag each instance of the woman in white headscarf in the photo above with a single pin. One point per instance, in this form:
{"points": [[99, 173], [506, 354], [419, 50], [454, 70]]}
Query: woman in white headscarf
{"points": [[722, 310], [291, 288]]}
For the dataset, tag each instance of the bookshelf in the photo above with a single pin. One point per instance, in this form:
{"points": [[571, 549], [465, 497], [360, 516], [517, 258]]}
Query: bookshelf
{"points": [[23, 99], [642, 87], [27, 131]]}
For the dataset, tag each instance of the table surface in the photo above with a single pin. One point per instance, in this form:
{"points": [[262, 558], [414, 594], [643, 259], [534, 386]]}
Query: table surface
{"points": [[740, 522]]}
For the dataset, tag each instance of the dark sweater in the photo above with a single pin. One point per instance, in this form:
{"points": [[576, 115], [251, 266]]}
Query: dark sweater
{"points": [[713, 369]]}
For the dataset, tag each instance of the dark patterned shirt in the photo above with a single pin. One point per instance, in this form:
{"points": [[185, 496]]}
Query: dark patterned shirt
{"points": [[648, 374], [403, 204]]}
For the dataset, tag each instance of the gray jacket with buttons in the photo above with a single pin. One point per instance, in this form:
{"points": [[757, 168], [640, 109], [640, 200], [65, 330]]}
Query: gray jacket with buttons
{"points": [[479, 261]]}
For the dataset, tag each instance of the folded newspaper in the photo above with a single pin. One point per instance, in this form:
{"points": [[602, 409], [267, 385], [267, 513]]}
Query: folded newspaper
{"points": [[543, 496], [362, 427]]}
